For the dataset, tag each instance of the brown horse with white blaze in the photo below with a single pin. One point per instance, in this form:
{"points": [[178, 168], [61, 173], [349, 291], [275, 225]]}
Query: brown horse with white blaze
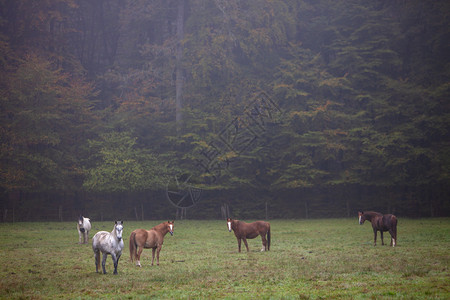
{"points": [[244, 231], [380, 223], [141, 239]]}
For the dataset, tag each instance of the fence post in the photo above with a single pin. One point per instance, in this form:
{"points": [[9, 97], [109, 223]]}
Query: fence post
{"points": [[306, 209], [267, 212], [60, 213]]}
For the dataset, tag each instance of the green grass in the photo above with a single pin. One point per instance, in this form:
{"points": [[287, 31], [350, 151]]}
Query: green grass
{"points": [[328, 258]]}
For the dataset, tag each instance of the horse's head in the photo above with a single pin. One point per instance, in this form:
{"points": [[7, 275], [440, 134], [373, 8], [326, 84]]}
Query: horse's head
{"points": [[361, 217], [119, 229], [170, 225], [229, 223], [80, 223]]}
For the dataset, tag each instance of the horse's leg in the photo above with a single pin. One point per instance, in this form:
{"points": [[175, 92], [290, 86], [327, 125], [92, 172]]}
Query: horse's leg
{"points": [[153, 254], [115, 262], [245, 242], [79, 237], [381, 234], [264, 242], [138, 260], [374, 237], [239, 244], [97, 260], [104, 262], [118, 257], [157, 254]]}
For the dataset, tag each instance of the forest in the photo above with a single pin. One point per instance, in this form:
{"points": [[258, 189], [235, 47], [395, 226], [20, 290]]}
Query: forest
{"points": [[200, 109]]}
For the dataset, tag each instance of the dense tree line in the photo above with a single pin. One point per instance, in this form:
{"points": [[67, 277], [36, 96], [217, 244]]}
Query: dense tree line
{"points": [[285, 108]]}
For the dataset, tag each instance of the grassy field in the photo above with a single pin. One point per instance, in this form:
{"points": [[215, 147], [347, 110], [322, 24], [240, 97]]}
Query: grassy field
{"points": [[328, 258]]}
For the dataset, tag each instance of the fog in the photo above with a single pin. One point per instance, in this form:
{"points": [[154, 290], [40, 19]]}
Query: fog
{"points": [[207, 109]]}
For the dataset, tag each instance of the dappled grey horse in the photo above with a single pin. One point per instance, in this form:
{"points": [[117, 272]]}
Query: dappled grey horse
{"points": [[108, 243]]}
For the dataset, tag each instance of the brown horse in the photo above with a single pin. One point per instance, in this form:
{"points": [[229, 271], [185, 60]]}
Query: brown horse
{"points": [[141, 239], [244, 231], [380, 223]]}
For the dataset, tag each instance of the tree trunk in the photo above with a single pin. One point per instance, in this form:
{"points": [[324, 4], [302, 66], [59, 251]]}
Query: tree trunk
{"points": [[429, 199], [179, 82], [136, 214]]}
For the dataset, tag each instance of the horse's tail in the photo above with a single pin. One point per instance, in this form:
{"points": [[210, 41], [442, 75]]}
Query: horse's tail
{"points": [[394, 227], [133, 246], [268, 238], [97, 257]]}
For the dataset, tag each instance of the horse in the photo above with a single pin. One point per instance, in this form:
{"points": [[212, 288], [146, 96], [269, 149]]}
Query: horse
{"points": [[141, 239], [108, 243], [246, 231], [380, 223], [83, 226]]}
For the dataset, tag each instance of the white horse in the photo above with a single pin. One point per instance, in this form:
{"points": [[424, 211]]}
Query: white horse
{"points": [[83, 226], [108, 243]]}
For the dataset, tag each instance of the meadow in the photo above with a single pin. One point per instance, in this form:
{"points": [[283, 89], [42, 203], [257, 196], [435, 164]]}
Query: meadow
{"points": [[308, 259]]}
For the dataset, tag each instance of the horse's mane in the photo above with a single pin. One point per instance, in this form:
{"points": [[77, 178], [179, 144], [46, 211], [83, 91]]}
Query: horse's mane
{"points": [[372, 213], [240, 223], [159, 226]]}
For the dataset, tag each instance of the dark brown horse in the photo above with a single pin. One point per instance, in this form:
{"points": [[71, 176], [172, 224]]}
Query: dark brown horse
{"points": [[244, 231], [380, 223], [141, 239]]}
